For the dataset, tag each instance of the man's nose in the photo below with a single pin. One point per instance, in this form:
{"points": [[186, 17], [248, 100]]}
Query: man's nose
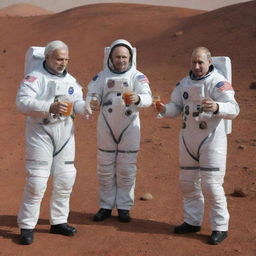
{"points": [[197, 66]]}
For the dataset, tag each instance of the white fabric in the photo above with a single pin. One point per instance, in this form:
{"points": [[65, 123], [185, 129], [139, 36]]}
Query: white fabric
{"points": [[117, 152], [33, 58], [50, 145], [203, 151], [223, 65]]}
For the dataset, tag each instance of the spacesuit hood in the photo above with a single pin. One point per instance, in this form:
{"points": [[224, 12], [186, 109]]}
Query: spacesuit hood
{"points": [[108, 50]]}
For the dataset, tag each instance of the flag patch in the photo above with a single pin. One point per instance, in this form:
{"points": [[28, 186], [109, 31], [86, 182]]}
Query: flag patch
{"points": [[142, 79], [30, 79], [224, 86]]}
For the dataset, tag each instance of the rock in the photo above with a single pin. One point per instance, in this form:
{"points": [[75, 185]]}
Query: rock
{"points": [[241, 147], [178, 33], [146, 197], [253, 85], [240, 192]]}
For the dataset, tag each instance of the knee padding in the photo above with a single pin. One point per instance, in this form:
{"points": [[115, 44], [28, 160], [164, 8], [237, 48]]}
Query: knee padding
{"points": [[36, 186]]}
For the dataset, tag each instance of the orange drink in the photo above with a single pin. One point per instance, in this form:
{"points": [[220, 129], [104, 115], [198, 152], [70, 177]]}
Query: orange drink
{"points": [[127, 97], [69, 105]]}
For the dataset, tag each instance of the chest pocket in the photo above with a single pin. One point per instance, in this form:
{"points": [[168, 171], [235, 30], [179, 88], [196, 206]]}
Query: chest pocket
{"points": [[116, 84], [64, 90]]}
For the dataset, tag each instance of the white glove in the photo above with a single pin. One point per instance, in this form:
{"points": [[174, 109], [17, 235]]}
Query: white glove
{"points": [[83, 108], [87, 110]]}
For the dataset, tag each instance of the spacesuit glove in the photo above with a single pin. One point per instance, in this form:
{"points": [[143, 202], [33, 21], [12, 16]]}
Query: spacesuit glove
{"points": [[160, 107], [87, 110]]}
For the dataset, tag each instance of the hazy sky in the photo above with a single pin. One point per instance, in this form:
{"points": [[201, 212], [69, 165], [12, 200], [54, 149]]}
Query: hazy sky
{"points": [[61, 5]]}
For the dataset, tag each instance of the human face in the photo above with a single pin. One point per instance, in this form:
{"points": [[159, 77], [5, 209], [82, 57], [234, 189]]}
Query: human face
{"points": [[120, 58], [200, 63], [57, 61]]}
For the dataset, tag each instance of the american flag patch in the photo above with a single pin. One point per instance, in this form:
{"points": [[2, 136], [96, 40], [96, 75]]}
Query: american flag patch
{"points": [[224, 86], [142, 79], [30, 79]]}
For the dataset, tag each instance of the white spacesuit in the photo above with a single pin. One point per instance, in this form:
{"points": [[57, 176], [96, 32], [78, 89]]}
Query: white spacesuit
{"points": [[203, 144], [118, 129], [50, 145]]}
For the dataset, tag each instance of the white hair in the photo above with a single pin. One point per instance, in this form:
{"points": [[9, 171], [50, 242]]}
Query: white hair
{"points": [[54, 45]]}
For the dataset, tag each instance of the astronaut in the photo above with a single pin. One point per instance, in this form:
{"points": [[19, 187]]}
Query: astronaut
{"points": [[120, 90], [206, 101], [44, 96]]}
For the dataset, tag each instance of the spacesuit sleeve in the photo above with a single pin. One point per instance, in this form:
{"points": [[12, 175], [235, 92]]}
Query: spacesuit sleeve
{"points": [[224, 97], [79, 102], [141, 87], [95, 88], [174, 107], [27, 98]]}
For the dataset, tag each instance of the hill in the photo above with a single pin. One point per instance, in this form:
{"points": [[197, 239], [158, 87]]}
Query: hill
{"points": [[23, 10]]}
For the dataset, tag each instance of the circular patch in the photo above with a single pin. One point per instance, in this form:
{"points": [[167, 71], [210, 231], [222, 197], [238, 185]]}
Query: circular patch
{"points": [[110, 110], [185, 95], [186, 110], [70, 90], [125, 84], [128, 112], [203, 125]]}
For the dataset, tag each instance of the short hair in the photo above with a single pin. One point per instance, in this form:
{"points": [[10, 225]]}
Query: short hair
{"points": [[204, 49], [54, 45]]}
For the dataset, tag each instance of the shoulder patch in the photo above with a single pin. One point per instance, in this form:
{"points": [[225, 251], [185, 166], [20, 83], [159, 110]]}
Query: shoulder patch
{"points": [[95, 78], [224, 86], [30, 79], [142, 78], [70, 90]]}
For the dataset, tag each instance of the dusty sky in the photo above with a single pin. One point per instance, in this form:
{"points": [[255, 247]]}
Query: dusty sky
{"points": [[61, 5]]}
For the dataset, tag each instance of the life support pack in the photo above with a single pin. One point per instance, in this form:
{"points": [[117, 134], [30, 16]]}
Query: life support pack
{"points": [[223, 65], [33, 58]]}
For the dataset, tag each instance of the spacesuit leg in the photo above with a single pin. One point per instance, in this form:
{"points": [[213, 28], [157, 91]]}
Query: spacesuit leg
{"points": [[33, 193], [38, 165], [64, 174], [215, 195], [126, 166], [126, 177], [106, 171], [106, 165], [213, 163], [190, 185]]}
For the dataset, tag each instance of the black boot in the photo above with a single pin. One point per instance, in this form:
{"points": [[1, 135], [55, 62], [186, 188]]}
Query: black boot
{"points": [[186, 228], [124, 215], [102, 214], [26, 236], [218, 236], [63, 229]]}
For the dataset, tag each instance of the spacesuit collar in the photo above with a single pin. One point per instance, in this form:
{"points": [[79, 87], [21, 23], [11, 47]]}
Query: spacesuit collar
{"points": [[63, 74], [193, 77]]}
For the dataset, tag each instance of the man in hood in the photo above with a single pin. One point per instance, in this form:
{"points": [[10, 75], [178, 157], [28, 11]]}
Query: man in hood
{"points": [[120, 90], [206, 101]]}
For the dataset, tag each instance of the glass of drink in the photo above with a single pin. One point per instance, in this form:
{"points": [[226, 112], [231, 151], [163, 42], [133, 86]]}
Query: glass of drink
{"points": [[156, 100], [127, 97], [69, 110]]}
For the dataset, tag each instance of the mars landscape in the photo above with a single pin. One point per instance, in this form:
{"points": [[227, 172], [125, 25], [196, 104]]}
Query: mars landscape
{"points": [[164, 37]]}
